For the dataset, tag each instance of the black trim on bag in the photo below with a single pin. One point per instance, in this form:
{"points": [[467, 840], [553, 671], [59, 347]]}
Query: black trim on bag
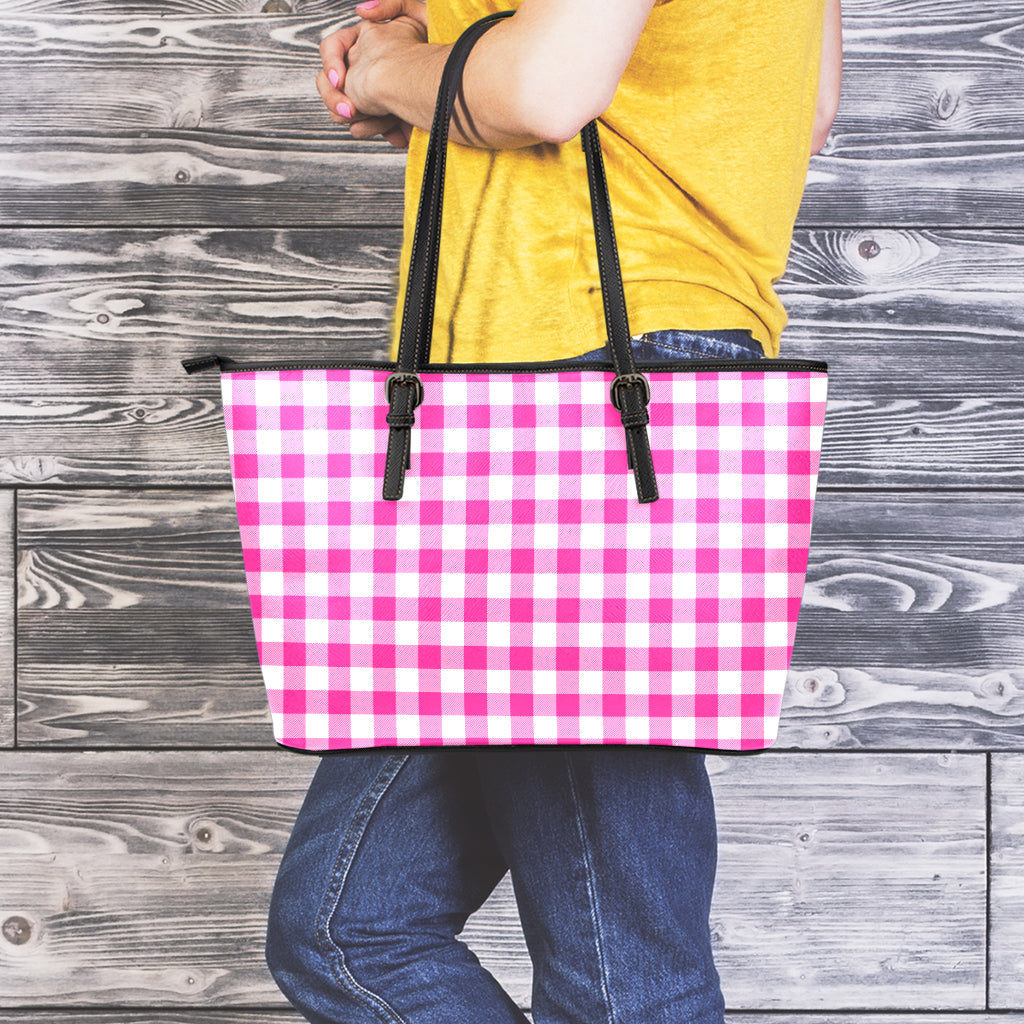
{"points": [[605, 366]]}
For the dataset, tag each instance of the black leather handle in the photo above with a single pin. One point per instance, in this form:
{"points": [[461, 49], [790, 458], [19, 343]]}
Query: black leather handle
{"points": [[421, 283], [630, 391]]}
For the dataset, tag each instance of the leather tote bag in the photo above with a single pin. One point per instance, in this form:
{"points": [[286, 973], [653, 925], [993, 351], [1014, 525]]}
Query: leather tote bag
{"points": [[559, 552]]}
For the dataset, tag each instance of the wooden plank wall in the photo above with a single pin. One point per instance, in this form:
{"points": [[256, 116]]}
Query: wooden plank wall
{"points": [[169, 186]]}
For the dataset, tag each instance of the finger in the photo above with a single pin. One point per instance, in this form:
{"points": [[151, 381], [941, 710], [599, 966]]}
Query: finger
{"points": [[368, 127], [386, 10], [333, 49], [339, 106], [397, 138]]}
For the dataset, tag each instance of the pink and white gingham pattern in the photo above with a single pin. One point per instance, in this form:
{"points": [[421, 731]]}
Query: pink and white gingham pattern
{"points": [[519, 592]]}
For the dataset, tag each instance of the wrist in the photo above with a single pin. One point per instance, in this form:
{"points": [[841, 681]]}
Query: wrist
{"points": [[386, 82], [408, 78]]}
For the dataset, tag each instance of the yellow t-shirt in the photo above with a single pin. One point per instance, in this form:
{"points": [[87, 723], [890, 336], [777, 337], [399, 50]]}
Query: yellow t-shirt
{"points": [[706, 145]]}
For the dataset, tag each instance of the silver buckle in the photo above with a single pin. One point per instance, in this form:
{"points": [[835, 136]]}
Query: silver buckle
{"points": [[400, 377], [628, 380]]}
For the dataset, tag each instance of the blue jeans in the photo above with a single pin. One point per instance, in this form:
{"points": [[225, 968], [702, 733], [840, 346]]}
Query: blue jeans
{"points": [[678, 344], [612, 853]]}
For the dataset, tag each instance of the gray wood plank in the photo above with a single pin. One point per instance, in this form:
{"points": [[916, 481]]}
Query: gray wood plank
{"points": [[917, 1016], [142, 879], [193, 177], [7, 602], [203, 1015], [138, 300], [156, 8], [860, 16], [198, 178], [945, 80], [134, 611], [104, 312], [104, 318], [921, 330], [911, 624], [187, 8], [286, 1016], [134, 626], [853, 846], [925, 87], [206, 1015], [1006, 900]]}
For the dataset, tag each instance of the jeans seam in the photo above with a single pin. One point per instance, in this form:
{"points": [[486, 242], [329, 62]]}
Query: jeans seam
{"points": [[591, 891], [339, 875]]}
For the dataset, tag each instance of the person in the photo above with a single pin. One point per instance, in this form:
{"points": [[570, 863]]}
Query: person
{"points": [[709, 111]]}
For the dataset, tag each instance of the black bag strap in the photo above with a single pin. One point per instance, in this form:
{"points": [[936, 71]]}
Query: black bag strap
{"points": [[630, 391]]}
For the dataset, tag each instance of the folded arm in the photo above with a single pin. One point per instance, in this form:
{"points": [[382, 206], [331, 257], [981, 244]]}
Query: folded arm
{"points": [[537, 77]]}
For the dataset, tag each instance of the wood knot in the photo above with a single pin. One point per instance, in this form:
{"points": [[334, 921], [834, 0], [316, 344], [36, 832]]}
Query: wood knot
{"points": [[868, 249], [946, 104], [1000, 686], [819, 688], [205, 836], [17, 930], [277, 7]]}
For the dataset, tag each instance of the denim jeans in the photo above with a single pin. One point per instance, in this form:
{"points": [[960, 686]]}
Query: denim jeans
{"points": [[676, 344], [611, 850]]}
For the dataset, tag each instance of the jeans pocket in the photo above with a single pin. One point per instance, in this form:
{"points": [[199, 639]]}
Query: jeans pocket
{"points": [[682, 344]]}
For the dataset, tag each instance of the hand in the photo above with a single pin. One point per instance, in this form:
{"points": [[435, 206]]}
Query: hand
{"points": [[350, 57]]}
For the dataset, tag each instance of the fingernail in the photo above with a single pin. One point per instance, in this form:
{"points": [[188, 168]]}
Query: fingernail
{"points": [[333, 77], [369, 5], [344, 109]]}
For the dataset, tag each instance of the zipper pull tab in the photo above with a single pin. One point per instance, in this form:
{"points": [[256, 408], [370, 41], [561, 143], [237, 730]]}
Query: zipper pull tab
{"points": [[200, 363]]}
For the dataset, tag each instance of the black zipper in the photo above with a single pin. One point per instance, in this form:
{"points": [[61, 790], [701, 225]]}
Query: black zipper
{"points": [[226, 365]]}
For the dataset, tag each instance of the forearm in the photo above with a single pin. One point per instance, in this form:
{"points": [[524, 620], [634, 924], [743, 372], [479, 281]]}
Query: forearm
{"points": [[406, 80], [830, 75], [537, 77]]}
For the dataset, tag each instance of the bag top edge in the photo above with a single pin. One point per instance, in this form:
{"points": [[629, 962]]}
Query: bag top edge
{"points": [[656, 366]]}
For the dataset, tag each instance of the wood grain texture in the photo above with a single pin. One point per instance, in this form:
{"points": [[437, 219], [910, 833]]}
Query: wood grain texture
{"points": [[7, 612], [138, 300], [134, 624], [210, 1015], [253, 72], [134, 612], [921, 329], [102, 320], [856, 852], [911, 631], [199, 1015], [195, 178], [142, 879], [163, 8], [930, 129], [1006, 900], [862, 15]]}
